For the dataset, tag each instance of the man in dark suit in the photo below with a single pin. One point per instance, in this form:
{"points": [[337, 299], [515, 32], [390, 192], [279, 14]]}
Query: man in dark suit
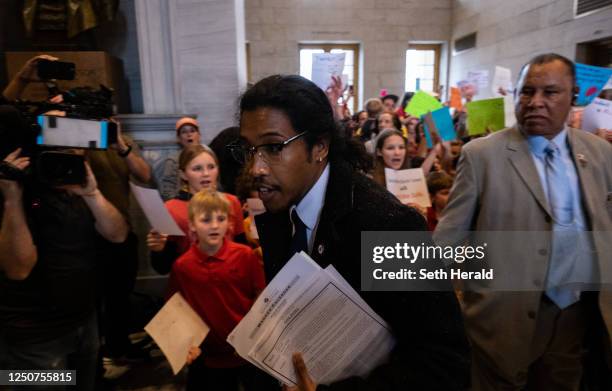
{"points": [[318, 201]]}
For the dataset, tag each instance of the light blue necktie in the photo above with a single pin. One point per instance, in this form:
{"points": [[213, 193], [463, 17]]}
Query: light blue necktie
{"points": [[561, 206]]}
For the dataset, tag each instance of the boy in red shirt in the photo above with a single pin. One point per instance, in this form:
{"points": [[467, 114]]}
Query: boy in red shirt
{"points": [[220, 279]]}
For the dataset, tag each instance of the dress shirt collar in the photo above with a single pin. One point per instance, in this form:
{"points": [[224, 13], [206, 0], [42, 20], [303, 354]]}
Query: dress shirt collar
{"points": [[218, 256], [537, 144], [311, 205]]}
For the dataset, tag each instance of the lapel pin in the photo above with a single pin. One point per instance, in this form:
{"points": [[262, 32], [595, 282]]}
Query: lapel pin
{"points": [[580, 157], [320, 249]]}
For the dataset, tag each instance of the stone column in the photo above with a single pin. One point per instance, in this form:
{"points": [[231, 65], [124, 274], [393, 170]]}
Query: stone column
{"points": [[192, 56], [156, 55], [192, 62]]}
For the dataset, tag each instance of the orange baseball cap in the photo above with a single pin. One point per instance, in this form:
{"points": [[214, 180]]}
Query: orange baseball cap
{"points": [[186, 121]]}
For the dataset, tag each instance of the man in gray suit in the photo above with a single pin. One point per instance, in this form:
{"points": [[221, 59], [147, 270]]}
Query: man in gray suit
{"points": [[555, 182]]}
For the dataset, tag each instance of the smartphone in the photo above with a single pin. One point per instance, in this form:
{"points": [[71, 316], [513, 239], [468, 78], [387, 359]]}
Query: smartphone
{"points": [[55, 70]]}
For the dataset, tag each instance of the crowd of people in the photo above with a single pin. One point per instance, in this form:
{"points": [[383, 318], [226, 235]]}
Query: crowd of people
{"points": [[320, 172]]}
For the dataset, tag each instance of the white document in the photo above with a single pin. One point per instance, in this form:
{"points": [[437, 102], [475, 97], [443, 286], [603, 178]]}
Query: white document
{"points": [[409, 186], [509, 116], [316, 312], [255, 207], [326, 65], [597, 115], [502, 78], [176, 328], [263, 312], [152, 205]]}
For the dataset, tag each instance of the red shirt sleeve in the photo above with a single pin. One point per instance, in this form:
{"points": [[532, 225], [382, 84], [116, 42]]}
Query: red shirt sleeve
{"points": [[235, 215]]}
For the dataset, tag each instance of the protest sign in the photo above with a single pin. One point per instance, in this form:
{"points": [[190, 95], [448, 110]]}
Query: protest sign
{"points": [[326, 65], [597, 115], [455, 99], [502, 78], [441, 122], [409, 186], [483, 114], [422, 103], [479, 78], [509, 116], [590, 80]]}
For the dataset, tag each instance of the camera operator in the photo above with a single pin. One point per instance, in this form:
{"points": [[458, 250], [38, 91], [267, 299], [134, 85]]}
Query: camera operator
{"points": [[48, 238], [113, 169]]}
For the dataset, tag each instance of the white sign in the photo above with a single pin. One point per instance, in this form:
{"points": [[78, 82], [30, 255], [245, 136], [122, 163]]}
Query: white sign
{"points": [[608, 85], [509, 116], [501, 79], [176, 328], [409, 186], [326, 65], [152, 205], [597, 115], [479, 78]]}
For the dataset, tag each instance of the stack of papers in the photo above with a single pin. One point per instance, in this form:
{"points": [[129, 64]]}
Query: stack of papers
{"points": [[315, 312]]}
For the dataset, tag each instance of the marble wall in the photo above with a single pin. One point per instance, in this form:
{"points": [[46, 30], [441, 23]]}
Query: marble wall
{"points": [[383, 28], [192, 59], [511, 32]]}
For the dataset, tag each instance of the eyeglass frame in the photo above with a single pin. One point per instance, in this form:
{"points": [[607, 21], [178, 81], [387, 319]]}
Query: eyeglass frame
{"points": [[251, 151]]}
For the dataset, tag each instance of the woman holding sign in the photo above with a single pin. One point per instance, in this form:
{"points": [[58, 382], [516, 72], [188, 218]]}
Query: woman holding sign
{"points": [[390, 152]]}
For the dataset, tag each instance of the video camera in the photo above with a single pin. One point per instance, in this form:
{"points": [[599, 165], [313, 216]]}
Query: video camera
{"points": [[46, 130]]}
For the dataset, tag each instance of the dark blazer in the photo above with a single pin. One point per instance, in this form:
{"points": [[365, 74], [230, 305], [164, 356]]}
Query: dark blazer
{"points": [[432, 351]]}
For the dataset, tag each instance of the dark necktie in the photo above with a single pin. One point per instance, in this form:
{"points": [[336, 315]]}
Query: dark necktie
{"points": [[299, 242]]}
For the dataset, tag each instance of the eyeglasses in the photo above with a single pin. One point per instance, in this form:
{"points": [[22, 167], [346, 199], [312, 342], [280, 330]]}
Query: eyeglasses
{"points": [[270, 153]]}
